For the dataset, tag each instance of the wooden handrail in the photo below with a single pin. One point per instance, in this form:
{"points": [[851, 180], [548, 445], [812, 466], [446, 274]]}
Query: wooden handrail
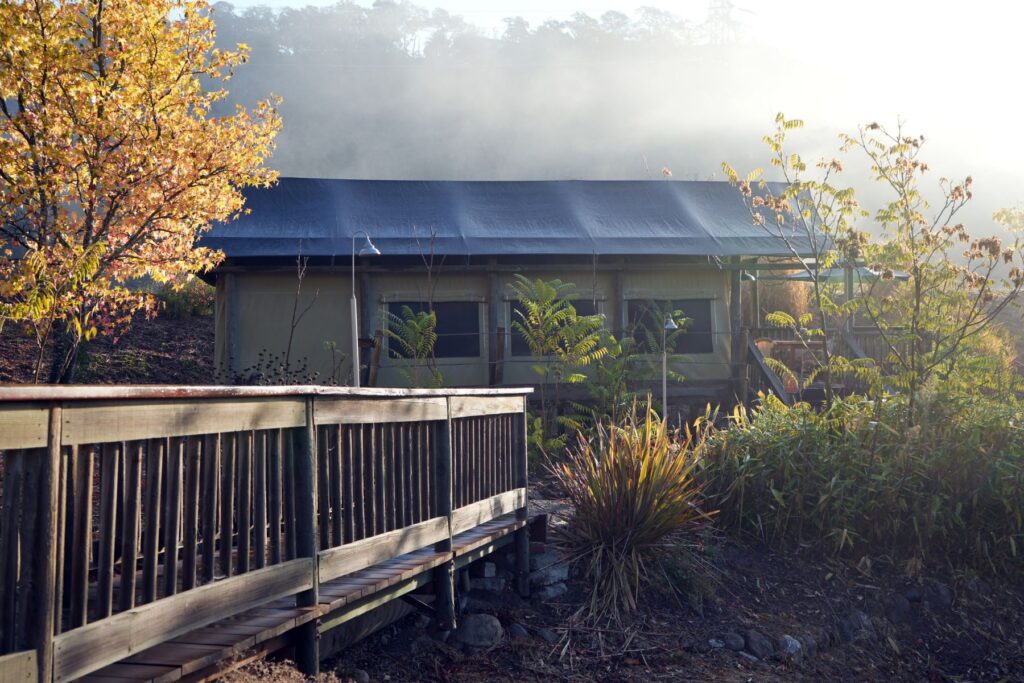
{"points": [[767, 375]]}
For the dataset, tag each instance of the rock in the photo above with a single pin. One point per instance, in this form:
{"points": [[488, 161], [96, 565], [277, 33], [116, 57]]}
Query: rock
{"points": [[517, 631], [422, 621], [790, 648], [480, 630], [937, 596], [546, 576], [913, 594], [979, 587], [547, 635], [855, 626], [494, 584], [543, 560], [758, 644], [733, 641], [747, 656], [359, 676], [551, 592], [490, 570], [822, 638], [898, 609], [716, 643], [810, 645]]}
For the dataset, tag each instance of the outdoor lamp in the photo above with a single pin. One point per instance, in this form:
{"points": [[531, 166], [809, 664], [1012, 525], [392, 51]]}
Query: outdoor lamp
{"points": [[670, 324], [368, 249]]}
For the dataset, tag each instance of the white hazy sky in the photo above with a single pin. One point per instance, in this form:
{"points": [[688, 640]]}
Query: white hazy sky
{"points": [[950, 70]]}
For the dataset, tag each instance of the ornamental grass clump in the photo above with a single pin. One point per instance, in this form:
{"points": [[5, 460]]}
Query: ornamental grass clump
{"points": [[632, 488]]}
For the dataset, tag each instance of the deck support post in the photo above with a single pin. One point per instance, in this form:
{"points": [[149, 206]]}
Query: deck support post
{"points": [[444, 575], [522, 536], [45, 561], [307, 641]]}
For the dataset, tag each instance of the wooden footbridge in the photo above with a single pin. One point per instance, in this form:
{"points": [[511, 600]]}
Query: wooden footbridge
{"points": [[165, 533]]}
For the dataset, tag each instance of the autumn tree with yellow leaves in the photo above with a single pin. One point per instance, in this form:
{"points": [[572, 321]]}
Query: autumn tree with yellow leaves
{"points": [[112, 161]]}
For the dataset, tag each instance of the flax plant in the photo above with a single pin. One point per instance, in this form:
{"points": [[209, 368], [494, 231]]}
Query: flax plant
{"points": [[632, 487]]}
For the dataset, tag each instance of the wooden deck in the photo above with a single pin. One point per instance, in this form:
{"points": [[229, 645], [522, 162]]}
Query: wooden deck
{"points": [[189, 531]]}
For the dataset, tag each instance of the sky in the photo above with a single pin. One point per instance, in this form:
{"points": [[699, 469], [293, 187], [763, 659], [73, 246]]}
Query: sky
{"points": [[948, 70]]}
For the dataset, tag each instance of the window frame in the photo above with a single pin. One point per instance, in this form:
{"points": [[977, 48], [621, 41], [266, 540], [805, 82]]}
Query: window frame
{"points": [[511, 331], [481, 324], [710, 333]]}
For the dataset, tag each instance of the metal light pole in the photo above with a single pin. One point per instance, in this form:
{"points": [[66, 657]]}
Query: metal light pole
{"points": [[670, 324], [368, 249]]}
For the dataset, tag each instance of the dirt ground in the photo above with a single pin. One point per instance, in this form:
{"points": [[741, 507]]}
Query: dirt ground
{"points": [[158, 351]]}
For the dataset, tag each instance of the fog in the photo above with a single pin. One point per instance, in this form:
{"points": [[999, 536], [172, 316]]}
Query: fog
{"points": [[398, 90]]}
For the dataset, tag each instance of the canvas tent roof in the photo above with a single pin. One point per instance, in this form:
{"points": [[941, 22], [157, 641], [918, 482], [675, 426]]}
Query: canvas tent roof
{"points": [[496, 218]]}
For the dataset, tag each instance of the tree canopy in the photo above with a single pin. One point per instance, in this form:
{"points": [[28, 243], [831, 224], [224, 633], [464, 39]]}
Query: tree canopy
{"points": [[112, 161]]}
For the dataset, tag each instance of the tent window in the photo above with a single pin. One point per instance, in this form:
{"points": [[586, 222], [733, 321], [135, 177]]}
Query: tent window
{"points": [[647, 318], [519, 346], [458, 326]]}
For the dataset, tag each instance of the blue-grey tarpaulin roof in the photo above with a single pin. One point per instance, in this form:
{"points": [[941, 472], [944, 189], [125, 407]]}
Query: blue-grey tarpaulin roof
{"points": [[495, 218]]}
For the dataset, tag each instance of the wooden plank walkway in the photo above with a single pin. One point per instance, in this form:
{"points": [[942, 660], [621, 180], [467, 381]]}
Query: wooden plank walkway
{"points": [[210, 651]]}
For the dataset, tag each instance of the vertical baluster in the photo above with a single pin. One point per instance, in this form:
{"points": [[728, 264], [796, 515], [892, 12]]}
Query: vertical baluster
{"points": [[362, 497], [348, 488], [522, 536], [376, 487], [410, 454], [13, 477], [151, 536], [62, 520], [425, 471], [387, 479], [132, 515], [401, 477], [172, 514], [259, 485], [195, 455], [109, 460], [81, 553], [228, 450], [274, 495], [208, 505], [289, 497], [337, 436], [46, 557], [244, 494], [323, 461]]}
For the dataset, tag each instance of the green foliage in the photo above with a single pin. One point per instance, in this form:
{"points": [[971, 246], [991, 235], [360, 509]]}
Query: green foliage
{"points": [[632, 487], [560, 341], [414, 336], [853, 481], [187, 297]]}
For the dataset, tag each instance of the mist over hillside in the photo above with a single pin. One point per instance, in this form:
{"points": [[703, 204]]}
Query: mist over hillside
{"points": [[397, 90]]}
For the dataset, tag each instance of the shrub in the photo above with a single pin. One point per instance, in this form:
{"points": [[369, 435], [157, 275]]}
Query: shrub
{"points": [[853, 481], [632, 487], [188, 298]]}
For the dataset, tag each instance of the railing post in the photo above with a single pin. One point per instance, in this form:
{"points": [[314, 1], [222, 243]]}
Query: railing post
{"points": [[444, 575], [307, 644], [46, 556], [522, 536]]}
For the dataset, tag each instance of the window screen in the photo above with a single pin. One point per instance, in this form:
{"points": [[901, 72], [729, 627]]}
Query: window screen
{"points": [[458, 326], [647, 318], [519, 346]]}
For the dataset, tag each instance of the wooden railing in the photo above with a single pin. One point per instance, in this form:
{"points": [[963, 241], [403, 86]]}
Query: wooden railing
{"points": [[762, 379], [131, 515]]}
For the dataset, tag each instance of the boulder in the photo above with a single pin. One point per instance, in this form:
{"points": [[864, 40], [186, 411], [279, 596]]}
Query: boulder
{"points": [[790, 648], [517, 631], [733, 641], [551, 592], [810, 645], [716, 643], [479, 631], [758, 644], [898, 609], [547, 635], [551, 574], [492, 584]]}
